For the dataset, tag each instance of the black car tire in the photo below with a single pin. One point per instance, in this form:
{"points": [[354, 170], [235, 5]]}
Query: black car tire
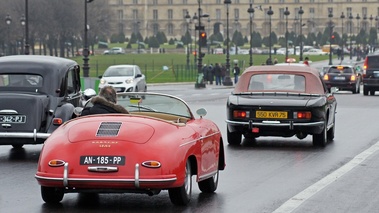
{"points": [[331, 131], [51, 194], [209, 185], [234, 138], [365, 90], [320, 139], [372, 92], [181, 196]]}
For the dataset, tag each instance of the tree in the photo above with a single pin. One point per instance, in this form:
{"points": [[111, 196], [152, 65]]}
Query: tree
{"points": [[257, 39], [153, 42], [237, 38]]}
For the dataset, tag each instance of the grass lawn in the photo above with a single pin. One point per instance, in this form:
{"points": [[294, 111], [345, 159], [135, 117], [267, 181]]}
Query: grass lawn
{"points": [[152, 64]]}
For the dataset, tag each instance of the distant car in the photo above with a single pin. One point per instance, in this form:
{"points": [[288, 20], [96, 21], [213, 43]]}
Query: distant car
{"points": [[371, 74], [158, 146], [315, 52], [124, 78], [281, 101], [114, 51], [37, 93], [140, 51], [344, 77]]}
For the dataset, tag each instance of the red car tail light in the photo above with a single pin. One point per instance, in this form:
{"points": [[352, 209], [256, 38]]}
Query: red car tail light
{"points": [[353, 78], [241, 114], [57, 121], [302, 115], [326, 77], [56, 163], [151, 164]]}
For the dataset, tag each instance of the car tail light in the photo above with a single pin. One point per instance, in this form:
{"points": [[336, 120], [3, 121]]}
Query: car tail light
{"points": [[326, 77], [241, 114], [302, 115], [56, 163], [151, 164], [353, 78], [57, 121], [365, 64]]}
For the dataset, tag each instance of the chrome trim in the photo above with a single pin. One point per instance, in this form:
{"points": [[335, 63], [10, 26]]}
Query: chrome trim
{"points": [[102, 169], [290, 124], [65, 175], [200, 138], [107, 180], [33, 135], [208, 175], [136, 176], [8, 112]]}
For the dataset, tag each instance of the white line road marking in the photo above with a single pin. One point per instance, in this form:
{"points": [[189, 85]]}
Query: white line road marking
{"points": [[291, 204]]}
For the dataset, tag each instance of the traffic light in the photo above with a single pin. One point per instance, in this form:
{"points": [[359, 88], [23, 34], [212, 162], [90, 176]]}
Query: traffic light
{"points": [[203, 39]]}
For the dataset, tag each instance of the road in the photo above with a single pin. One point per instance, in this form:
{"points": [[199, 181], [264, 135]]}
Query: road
{"points": [[277, 175]]}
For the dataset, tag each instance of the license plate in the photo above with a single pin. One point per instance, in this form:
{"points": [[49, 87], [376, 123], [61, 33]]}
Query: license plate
{"points": [[12, 118], [339, 78], [102, 160], [271, 114]]}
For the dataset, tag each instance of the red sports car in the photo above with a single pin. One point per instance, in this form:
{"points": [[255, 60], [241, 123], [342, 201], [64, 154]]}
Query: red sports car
{"points": [[158, 146]]}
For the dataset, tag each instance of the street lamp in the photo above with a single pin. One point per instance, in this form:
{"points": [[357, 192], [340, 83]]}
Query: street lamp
{"points": [[342, 52], [26, 29], [200, 82], [188, 20], [269, 13], [195, 21], [85, 48], [251, 14], [330, 36], [286, 13], [22, 22], [301, 12], [351, 34], [358, 31], [227, 79], [209, 33], [8, 21]]}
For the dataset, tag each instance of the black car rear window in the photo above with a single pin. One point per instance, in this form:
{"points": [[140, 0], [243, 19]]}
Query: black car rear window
{"points": [[287, 82], [340, 69], [20, 80], [373, 61]]}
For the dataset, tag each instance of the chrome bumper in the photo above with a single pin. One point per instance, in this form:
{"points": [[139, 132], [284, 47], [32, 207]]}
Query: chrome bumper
{"points": [[290, 124], [34, 135]]}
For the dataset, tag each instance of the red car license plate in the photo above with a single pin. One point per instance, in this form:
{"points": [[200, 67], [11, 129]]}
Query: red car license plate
{"points": [[102, 160]]}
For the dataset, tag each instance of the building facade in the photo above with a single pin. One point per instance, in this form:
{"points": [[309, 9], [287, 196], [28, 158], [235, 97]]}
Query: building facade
{"points": [[151, 16]]}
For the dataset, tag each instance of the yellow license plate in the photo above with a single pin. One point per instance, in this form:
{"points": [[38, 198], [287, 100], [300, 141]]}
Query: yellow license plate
{"points": [[271, 114]]}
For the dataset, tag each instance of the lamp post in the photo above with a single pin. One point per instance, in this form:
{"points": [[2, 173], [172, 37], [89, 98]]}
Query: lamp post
{"points": [[195, 21], [26, 28], [343, 51], [286, 13], [200, 82], [85, 48], [301, 12], [351, 34], [330, 36], [358, 31], [188, 20], [22, 22], [269, 13], [227, 79], [209, 33], [8, 21], [251, 14]]}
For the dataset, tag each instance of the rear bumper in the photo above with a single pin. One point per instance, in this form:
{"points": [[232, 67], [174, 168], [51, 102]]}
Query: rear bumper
{"points": [[7, 138], [341, 85], [368, 82]]}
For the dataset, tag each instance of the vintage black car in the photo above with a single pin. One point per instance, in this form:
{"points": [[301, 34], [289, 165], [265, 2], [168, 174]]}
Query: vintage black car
{"points": [[344, 77], [37, 93], [281, 101], [371, 74]]}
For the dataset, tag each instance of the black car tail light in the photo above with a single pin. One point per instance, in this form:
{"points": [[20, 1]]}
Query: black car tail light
{"points": [[353, 78], [326, 77], [302, 115], [241, 114], [57, 121]]}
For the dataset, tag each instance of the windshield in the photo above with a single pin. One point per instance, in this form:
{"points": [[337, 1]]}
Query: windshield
{"points": [[155, 103], [119, 71], [20, 80], [287, 82]]}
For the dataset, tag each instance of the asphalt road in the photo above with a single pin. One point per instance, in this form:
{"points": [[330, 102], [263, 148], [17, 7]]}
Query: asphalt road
{"points": [[277, 175]]}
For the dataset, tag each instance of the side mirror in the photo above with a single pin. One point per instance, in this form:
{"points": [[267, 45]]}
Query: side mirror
{"points": [[201, 112], [334, 89], [138, 75], [78, 111]]}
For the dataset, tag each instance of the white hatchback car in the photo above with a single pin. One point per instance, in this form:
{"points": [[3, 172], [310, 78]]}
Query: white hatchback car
{"points": [[124, 78]]}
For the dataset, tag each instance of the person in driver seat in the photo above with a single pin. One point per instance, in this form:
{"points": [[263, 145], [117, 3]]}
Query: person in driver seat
{"points": [[105, 102]]}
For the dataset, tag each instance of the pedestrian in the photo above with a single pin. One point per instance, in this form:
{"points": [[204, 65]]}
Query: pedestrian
{"points": [[223, 72], [217, 72], [268, 61], [236, 72], [210, 75], [275, 60], [306, 61], [205, 73], [105, 102]]}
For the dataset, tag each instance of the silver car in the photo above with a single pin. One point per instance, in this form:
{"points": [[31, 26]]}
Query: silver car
{"points": [[124, 78]]}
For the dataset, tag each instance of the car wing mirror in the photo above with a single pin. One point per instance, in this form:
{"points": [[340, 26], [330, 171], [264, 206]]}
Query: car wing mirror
{"points": [[138, 75], [334, 89], [201, 112], [78, 111]]}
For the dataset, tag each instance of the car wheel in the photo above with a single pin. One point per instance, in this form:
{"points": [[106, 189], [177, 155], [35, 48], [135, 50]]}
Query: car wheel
{"points": [[17, 146], [234, 138], [182, 195], [320, 139], [372, 92], [209, 185], [51, 194], [331, 131], [365, 90]]}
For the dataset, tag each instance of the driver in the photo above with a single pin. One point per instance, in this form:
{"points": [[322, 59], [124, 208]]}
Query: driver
{"points": [[105, 102]]}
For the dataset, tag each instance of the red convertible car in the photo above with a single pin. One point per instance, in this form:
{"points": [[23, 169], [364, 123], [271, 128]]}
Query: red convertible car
{"points": [[158, 146]]}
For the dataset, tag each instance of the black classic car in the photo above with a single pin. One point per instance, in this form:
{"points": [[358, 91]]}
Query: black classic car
{"points": [[37, 93], [344, 77], [281, 101]]}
